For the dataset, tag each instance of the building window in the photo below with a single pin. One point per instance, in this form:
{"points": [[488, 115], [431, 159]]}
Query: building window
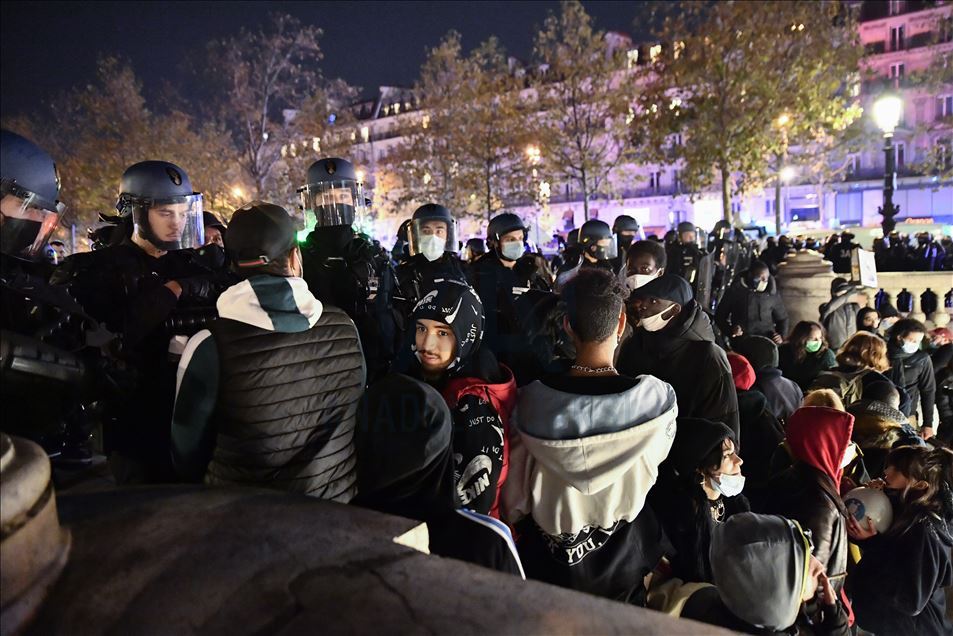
{"points": [[944, 107], [654, 52], [897, 37], [676, 181], [655, 181], [920, 107], [896, 73], [894, 7], [632, 57], [853, 164], [900, 150], [944, 156]]}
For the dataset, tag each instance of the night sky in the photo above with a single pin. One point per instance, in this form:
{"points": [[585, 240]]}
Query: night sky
{"points": [[49, 47]]}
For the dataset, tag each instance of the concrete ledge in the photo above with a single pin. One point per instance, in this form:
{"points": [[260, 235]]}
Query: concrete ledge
{"points": [[227, 561]]}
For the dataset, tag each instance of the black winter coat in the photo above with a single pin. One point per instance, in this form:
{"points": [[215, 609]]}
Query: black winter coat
{"points": [[757, 313], [913, 372], [805, 371], [685, 355], [784, 396], [760, 435]]}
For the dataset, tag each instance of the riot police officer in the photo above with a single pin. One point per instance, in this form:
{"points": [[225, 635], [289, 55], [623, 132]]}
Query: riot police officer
{"points": [[148, 288], [688, 260], [44, 358], [342, 267], [627, 230], [501, 277], [598, 248], [840, 252]]}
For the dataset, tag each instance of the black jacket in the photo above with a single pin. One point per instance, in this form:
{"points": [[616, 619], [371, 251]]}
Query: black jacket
{"points": [[806, 494], [899, 586], [805, 371], [685, 355], [757, 313], [760, 435], [706, 606], [784, 396], [913, 372], [944, 403]]}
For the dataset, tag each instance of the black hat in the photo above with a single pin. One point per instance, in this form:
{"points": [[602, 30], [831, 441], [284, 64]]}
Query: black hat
{"points": [[667, 287], [210, 220], [695, 438], [686, 226], [260, 233], [761, 352], [455, 304]]}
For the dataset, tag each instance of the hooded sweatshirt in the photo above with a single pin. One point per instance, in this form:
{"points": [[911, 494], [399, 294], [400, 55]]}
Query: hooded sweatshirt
{"points": [[817, 438], [480, 393], [405, 467], [684, 354], [581, 469], [267, 395]]}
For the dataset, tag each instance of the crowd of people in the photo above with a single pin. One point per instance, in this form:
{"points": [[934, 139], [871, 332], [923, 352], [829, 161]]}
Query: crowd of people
{"points": [[635, 419]]}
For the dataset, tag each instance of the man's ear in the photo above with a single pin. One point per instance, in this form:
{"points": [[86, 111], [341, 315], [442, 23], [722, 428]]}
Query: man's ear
{"points": [[567, 328], [622, 320]]}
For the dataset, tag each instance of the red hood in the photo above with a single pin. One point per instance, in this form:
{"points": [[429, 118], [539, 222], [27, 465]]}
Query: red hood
{"points": [[818, 436]]}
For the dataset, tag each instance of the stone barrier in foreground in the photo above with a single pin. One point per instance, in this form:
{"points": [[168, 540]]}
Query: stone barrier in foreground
{"points": [[173, 560]]}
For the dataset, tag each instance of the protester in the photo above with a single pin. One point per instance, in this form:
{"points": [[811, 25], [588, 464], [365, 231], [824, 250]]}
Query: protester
{"points": [[868, 319], [448, 354], [912, 370], [699, 486], [752, 306], [587, 445], [900, 584], [784, 396], [767, 581], [861, 360], [266, 396], [645, 261], [823, 397], [944, 402], [806, 354], [809, 491], [674, 342], [214, 230], [761, 432], [879, 425], [405, 467], [839, 315]]}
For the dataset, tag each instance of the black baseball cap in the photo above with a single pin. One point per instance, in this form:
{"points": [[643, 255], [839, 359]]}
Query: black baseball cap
{"points": [[667, 287], [259, 233]]}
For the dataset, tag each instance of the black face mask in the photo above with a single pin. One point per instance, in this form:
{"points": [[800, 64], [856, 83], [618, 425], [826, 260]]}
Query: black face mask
{"points": [[18, 235], [624, 242]]}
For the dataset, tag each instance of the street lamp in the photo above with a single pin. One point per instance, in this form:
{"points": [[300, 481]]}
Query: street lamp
{"points": [[788, 173], [887, 110]]}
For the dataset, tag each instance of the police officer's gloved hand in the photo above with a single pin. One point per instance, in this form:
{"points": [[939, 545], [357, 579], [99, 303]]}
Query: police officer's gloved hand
{"points": [[197, 287]]}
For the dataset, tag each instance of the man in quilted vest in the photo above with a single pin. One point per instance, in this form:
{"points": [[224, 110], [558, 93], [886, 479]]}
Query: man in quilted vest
{"points": [[267, 395]]}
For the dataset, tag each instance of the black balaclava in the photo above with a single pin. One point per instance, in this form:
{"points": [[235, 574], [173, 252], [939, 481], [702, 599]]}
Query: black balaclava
{"points": [[457, 305]]}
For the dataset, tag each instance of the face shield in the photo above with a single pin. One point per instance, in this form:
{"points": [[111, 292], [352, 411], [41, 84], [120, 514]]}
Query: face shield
{"points": [[175, 223], [432, 237], [332, 203], [26, 221], [603, 249]]}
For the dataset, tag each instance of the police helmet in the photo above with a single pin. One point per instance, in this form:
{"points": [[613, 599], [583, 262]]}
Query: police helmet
{"points": [[425, 235], [30, 187], [165, 189], [333, 195]]}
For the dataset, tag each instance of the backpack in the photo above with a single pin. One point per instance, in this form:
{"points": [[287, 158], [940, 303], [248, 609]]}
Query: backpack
{"points": [[848, 386]]}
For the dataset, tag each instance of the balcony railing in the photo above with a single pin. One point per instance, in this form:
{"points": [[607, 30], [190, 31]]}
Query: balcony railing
{"points": [[878, 10], [916, 41]]}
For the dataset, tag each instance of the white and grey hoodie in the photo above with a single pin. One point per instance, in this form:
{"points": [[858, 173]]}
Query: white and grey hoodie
{"points": [[584, 461]]}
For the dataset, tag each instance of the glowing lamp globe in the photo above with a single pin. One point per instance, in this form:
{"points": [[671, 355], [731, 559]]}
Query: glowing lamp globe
{"points": [[869, 502], [887, 111]]}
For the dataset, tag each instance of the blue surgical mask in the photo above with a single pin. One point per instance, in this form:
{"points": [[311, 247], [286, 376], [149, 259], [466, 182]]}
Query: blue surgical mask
{"points": [[512, 250]]}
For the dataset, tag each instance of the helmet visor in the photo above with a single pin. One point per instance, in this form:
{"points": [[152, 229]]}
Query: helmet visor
{"points": [[26, 222], [176, 223], [331, 203], [426, 235]]}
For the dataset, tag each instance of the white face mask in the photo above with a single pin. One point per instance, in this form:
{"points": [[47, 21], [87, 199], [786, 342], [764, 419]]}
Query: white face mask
{"points": [[512, 250], [762, 285], [728, 485], [637, 280], [911, 347], [849, 455], [656, 322], [432, 246]]}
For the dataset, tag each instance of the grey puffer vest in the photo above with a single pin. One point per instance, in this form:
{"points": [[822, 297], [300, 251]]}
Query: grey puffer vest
{"points": [[287, 405]]}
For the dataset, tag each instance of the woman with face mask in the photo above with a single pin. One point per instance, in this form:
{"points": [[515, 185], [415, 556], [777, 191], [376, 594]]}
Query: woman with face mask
{"points": [[806, 354], [911, 369], [700, 485], [899, 586]]}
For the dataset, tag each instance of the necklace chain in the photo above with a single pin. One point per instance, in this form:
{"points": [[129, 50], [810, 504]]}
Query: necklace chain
{"points": [[584, 369]]}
